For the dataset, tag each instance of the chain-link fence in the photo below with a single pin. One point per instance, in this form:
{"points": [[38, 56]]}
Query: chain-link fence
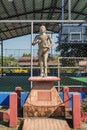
{"points": [[64, 60], [73, 71]]}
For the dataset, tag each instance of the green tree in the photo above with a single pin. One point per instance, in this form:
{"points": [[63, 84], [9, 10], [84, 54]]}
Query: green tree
{"points": [[25, 54], [72, 50], [8, 62]]}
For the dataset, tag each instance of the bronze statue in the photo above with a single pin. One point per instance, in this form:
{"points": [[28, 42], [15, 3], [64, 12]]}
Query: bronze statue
{"points": [[43, 48]]}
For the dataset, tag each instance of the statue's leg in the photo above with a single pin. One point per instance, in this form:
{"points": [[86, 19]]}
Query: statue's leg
{"points": [[41, 65], [45, 63], [41, 69]]}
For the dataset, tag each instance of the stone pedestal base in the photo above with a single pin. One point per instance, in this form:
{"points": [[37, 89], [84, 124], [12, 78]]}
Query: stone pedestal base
{"points": [[43, 99]]}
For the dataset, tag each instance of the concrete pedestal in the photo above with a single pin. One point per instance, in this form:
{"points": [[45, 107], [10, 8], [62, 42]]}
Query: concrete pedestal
{"points": [[43, 99]]}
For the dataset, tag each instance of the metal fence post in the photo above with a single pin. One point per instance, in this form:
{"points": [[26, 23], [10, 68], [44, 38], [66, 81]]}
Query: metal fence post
{"points": [[31, 51], [58, 73], [2, 58]]}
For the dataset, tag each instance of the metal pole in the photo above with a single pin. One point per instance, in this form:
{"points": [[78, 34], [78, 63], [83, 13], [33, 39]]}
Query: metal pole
{"points": [[51, 47], [62, 9], [60, 39], [69, 9], [2, 58], [82, 33], [43, 21], [58, 74], [31, 51], [69, 17]]}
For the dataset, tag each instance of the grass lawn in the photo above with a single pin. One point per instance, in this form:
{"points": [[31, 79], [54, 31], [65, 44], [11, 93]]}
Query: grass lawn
{"points": [[82, 79], [76, 81]]}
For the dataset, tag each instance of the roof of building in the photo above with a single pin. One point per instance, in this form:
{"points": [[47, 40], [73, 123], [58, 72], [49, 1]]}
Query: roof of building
{"points": [[36, 10], [26, 61], [83, 63]]}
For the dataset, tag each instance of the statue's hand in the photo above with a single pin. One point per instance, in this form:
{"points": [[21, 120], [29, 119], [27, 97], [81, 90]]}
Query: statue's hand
{"points": [[39, 41], [33, 43], [48, 47], [36, 41]]}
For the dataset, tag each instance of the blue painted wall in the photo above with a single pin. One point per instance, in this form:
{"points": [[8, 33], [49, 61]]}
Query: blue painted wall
{"points": [[4, 97]]}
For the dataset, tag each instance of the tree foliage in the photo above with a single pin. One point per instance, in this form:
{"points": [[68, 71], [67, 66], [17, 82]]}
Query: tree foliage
{"points": [[72, 50], [8, 62]]}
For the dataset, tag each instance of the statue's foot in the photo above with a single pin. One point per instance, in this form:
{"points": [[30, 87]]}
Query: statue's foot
{"points": [[42, 75], [45, 75]]}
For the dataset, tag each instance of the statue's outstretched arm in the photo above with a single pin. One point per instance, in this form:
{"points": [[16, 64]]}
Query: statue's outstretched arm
{"points": [[36, 40]]}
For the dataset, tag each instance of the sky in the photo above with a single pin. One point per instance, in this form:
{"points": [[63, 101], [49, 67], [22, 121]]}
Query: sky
{"points": [[22, 42], [20, 45]]}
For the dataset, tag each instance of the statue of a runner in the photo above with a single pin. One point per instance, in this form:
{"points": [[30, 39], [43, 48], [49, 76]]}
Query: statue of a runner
{"points": [[43, 49]]}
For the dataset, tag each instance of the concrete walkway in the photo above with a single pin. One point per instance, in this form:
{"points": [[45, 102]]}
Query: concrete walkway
{"points": [[45, 124]]}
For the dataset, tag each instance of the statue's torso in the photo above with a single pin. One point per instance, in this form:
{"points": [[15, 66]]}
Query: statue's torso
{"points": [[43, 41]]}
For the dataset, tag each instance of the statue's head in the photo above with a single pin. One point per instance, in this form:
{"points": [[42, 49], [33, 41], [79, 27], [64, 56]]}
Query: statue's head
{"points": [[42, 29]]}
